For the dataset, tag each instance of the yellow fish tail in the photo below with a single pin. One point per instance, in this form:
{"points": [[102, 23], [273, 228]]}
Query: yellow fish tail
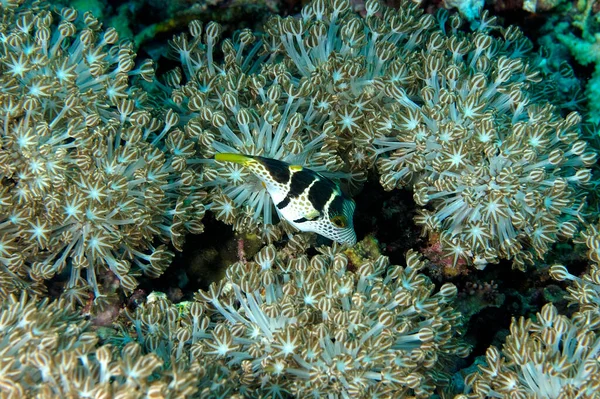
{"points": [[231, 157]]}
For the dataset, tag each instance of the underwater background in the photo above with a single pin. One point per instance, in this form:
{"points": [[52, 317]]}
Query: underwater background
{"points": [[135, 265]]}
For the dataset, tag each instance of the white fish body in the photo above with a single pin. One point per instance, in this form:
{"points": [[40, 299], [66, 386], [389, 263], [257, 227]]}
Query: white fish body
{"points": [[308, 200]]}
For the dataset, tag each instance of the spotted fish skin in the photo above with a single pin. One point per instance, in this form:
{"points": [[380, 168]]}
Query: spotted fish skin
{"points": [[306, 199]]}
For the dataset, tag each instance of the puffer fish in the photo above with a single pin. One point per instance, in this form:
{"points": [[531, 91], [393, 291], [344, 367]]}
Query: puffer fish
{"points": [[308, 200]]}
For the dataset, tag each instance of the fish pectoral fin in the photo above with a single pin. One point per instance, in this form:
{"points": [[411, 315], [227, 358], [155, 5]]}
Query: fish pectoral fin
{"points": [[308, 217], [231, 157], [312, 215]]}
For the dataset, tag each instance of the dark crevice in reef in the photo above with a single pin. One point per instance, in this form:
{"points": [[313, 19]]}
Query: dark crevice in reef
{"points": [[203, 260], [514, 294], [483, 330], [388, 216]]}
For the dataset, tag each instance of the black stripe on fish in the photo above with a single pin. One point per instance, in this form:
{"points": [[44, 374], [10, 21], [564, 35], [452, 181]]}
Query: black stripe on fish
{"points": [[336, 207], [300, 182], [320, 193], [280, 171], [283, 203], [309, 217]]}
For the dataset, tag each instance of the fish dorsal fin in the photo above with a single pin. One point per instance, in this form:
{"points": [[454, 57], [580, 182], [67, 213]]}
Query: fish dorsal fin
{"points": [[231, 157], [295, 168]]}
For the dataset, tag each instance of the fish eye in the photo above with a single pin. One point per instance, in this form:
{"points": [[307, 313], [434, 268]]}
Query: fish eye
{"points": [[339, 221]]}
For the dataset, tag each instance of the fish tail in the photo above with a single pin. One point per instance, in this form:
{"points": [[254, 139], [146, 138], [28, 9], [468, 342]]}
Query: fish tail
{"points": [[231, 157]]}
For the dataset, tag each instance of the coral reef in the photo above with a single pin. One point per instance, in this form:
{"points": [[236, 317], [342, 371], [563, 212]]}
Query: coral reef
{"points": [[49, 351], [570, 32], [87, 180], [107, 164], [282, 324], [286, 323], [585, 290], [551, 357], [473, 151], [149, 22], [459, 116]]}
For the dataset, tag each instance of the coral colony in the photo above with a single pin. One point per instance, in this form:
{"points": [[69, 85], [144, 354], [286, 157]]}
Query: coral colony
{"points": [[106, 167]]}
